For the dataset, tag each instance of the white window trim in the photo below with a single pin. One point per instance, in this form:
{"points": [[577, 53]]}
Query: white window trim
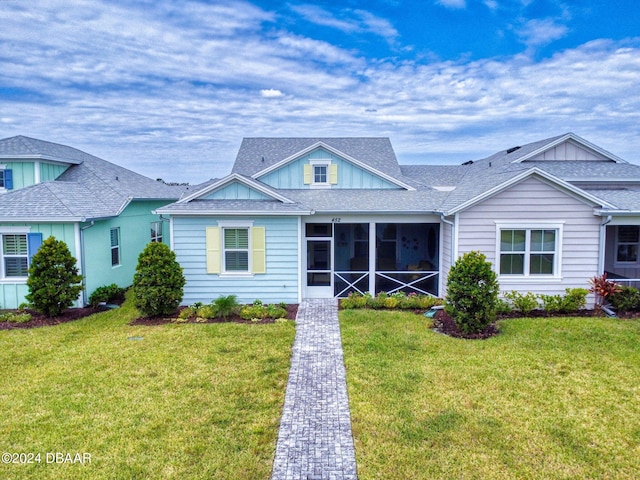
{"points": [[119, 247], [11, 231], [232, 273], [526, 277], [317, 163], [617, 263], [160, 235]]}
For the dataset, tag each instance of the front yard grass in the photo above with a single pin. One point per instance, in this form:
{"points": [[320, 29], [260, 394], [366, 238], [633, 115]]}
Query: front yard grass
{"points": [[552, 398], [171, 401]]}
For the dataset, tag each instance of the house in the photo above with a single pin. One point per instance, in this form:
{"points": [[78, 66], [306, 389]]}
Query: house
{"points": [[321, 217], [100, 210]]}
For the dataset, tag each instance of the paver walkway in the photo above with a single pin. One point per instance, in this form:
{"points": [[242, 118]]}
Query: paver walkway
{"points": [[315, 440]]}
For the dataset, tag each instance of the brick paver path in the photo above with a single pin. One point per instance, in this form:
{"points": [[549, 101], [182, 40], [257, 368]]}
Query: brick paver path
{"points": [[315, 440]]}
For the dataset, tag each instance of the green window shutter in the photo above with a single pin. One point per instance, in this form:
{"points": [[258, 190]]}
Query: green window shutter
{"points": [[308, 173], [333, 174], [213, 249], [258, 250]]}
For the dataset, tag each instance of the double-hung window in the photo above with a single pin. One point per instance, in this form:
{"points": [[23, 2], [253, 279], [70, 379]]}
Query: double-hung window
{"points": [[529, 252], [236, 249], [115, 246], [17, 248], [15, 255]]}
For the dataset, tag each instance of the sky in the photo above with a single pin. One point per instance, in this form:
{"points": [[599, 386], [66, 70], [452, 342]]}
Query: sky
{"points": [[170, 88]]}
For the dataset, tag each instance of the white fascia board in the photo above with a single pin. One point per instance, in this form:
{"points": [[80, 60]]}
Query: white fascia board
{"points": [[604, 212], [42, 219], [337, 152], [575, 138], [555, 181], [237, 213], [38, 156], [239, 178]]}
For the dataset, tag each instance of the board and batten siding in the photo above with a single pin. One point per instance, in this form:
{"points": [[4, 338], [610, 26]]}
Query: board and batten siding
{"points": [[278, 284], [531, 201], [350, 175]]}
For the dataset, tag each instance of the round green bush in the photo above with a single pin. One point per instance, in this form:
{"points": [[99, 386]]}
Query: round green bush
{"points": [[158, 281], [472, 292], [54, 283]]}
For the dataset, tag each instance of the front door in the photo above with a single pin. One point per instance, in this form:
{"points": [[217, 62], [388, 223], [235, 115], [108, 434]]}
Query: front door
{"points": [[319, 253]]}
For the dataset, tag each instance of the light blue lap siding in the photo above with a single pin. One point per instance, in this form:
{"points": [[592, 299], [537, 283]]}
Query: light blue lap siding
{"points": [[279, 284]]}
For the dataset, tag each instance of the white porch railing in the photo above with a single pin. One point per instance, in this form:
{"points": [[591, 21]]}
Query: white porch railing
{"points": [[397, 280], [417, 276]]}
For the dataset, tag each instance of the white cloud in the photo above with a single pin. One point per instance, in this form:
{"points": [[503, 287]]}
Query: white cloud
{"points": [[348, 20], [271, 93], [535, 33]]}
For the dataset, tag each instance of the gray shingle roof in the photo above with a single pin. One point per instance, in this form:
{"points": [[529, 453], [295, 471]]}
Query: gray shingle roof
{"points": [[90, 188], [375, 152]]}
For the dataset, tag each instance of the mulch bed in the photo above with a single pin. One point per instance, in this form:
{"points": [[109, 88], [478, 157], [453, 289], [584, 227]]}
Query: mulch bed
{"points": [[292, 310], [39, 320], [443, 323], [71, 314]]}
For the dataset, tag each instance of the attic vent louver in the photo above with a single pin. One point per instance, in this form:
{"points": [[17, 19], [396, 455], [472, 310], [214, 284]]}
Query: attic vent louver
{"points": [[513, 149]]}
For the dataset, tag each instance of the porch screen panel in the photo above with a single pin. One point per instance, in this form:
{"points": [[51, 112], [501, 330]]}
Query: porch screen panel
{"points": [[628, 238]]}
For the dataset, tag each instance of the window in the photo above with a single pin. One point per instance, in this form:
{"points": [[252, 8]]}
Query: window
{"points": [[528, 252], [156, 232], [320, 174], [6, 178], [236, 249], [627, 241], [115, 247], [15, 255], [17, 250]]}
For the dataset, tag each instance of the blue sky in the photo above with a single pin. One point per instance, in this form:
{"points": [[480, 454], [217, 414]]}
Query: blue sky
{"points": [[169, 89]]}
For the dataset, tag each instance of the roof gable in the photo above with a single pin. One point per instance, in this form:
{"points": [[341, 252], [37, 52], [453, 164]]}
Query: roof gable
{"points": [[514, 179], [568, 147], [235, 187], [260, 157]]}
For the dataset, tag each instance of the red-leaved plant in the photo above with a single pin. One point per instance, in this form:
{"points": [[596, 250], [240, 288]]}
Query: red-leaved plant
{"points": [[603, 288]]}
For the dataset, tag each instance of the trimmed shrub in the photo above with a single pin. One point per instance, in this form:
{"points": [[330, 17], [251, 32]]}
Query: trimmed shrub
{"points": [[158, 281], [524, 303], [54, 283], [626, 299], [472, 292], [107, 294], [258, 311]]}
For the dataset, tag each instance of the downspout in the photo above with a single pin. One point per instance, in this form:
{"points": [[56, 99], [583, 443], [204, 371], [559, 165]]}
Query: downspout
{"points": [[84, 265], [603, 239]]}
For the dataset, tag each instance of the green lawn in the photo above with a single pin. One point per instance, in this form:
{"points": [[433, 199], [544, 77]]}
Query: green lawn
{"points": [[174, 401], [551, 398]]}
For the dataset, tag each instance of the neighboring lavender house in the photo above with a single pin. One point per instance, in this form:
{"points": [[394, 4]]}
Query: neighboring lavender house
{"points": [[100, 210], [322, 217]]}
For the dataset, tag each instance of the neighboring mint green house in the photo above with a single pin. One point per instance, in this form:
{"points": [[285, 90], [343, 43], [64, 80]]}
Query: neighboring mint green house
{"points": [[322, 217], [102, 211]]}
